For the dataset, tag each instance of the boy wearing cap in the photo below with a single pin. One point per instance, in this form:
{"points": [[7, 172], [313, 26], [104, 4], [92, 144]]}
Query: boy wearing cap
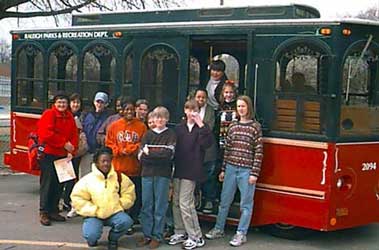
{"points": [[91, 125], [215, 83]]}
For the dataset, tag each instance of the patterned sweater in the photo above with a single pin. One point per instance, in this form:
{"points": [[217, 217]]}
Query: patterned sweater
{"points": [[244, 147], [161, 153]]}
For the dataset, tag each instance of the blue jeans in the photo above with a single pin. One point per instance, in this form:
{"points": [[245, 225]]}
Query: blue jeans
{"points": [[209, 187], [93, 227], [154, 206], [236, 177]]}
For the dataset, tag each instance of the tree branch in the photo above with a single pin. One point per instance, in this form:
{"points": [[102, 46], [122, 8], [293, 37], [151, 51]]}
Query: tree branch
{"points": [[7, 14]]}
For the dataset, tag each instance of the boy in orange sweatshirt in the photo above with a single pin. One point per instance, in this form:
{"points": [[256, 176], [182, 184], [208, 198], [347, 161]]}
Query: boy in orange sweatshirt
{"points": [[124, 138]]}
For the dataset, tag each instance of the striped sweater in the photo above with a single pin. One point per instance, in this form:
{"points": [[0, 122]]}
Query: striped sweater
{"points": [[244, 147]]}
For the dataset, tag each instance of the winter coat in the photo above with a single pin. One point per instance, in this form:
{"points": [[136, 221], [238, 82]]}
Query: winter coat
{"points": [[190, 151], [55, 128], [95, 195], [124, 138]]}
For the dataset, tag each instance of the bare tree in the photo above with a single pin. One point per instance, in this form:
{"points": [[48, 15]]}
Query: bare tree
{"points": [[34, 8], [371, 14], [5, 51]]}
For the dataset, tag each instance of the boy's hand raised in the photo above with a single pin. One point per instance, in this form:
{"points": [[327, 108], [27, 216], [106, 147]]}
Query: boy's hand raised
{"points": [[196, 117]]}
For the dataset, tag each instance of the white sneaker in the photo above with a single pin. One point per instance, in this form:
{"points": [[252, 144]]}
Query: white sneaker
{"points": [[214, 233], [72, 213], [192, 244], [177, 238], [238, 240]]}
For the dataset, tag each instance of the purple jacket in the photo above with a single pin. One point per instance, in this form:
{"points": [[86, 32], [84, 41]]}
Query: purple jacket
{"points": [[190, 151]]}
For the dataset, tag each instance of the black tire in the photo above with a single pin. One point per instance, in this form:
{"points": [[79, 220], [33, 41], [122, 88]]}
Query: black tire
{"points": [[287, 231]]}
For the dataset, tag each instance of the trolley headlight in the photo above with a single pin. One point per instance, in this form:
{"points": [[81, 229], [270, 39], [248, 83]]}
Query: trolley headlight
{"points": [[339, 183], [344, 183]]}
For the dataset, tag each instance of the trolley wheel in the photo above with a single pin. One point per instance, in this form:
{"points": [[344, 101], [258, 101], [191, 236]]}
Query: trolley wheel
{"points": [[287, 231]]}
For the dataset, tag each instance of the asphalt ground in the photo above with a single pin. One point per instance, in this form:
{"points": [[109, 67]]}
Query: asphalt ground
{"points": [[20, 228]]}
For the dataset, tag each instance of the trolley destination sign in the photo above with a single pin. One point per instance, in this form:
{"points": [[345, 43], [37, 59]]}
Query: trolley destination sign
{"points": [[66, 35]]}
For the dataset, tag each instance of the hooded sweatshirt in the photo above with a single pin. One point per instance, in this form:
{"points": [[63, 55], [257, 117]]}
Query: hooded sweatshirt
{"points": [[95, 195], [124, 137]]}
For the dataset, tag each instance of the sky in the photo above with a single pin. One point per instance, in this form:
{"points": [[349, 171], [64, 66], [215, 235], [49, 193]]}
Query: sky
{"points": [[327, 8]]}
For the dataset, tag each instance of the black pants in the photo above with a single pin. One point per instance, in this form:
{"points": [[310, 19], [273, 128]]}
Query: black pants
{"points": [[50, 188], [69, 185], [134, 211]]}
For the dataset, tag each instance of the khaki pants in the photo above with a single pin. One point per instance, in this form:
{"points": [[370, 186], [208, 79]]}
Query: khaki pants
{"points": [[184, 211], [85, 164]]}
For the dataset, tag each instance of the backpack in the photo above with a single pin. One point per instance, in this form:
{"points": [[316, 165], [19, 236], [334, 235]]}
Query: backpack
{"points": [[35, 151]]}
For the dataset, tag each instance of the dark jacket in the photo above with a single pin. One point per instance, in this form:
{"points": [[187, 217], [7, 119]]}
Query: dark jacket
{"points": [[161, 153], [190, 150], [91, 125], [209, 118]]}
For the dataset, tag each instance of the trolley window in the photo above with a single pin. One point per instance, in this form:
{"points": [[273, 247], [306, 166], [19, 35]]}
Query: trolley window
{"points": [[99, 67], [160, 77], [360, 98], [128, 75], [29, 77], [63, 69], [301, 77]]}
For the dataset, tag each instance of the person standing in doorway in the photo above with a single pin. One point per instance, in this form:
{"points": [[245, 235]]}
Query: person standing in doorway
{"points": [[215, 83]]}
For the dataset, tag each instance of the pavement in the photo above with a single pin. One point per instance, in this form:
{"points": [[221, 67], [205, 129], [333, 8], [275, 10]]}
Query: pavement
{"points": [[4, 116], [20, 228]]}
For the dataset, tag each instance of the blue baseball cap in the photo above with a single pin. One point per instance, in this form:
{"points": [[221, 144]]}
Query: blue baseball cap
{"points": [[101, 96]]}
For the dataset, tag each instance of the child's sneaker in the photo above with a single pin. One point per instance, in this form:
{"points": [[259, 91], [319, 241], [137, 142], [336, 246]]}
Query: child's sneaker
{"points": [[214, 233], [192, 244], [208, 207], [238, 240], [176, 239], [72, 213]]}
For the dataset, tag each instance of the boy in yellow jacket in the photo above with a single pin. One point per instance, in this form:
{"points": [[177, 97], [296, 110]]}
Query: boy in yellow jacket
{"points": [[99, 198]]}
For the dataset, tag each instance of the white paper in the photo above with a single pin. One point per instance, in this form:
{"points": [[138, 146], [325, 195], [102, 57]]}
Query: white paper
{"points": [[65, 170]]}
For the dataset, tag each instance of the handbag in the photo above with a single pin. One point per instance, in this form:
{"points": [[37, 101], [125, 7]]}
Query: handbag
{"points": [[83, 145]]}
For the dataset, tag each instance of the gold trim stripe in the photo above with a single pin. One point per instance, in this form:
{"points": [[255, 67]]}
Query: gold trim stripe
{"points": [[27, 115], [21, 147], [297, 143], [308, 193]]}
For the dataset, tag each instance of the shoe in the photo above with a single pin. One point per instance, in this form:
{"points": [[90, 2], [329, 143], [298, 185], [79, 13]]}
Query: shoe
{"points": [[112, 245], [44, 219], [214, 233], [130, 231], [92, 244], [238, 239], [208, 208], [168, 233], [72, 213], [143, 241], [154, 244], [176, 239], [66, 207], [192, 244], [56, 217]]}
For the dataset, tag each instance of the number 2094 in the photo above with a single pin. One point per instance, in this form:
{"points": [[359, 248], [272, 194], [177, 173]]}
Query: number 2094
{"points": [[367, 166]]}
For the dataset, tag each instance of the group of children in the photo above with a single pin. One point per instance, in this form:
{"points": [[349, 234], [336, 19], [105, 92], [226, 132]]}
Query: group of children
{"points": [[151, 159]]}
